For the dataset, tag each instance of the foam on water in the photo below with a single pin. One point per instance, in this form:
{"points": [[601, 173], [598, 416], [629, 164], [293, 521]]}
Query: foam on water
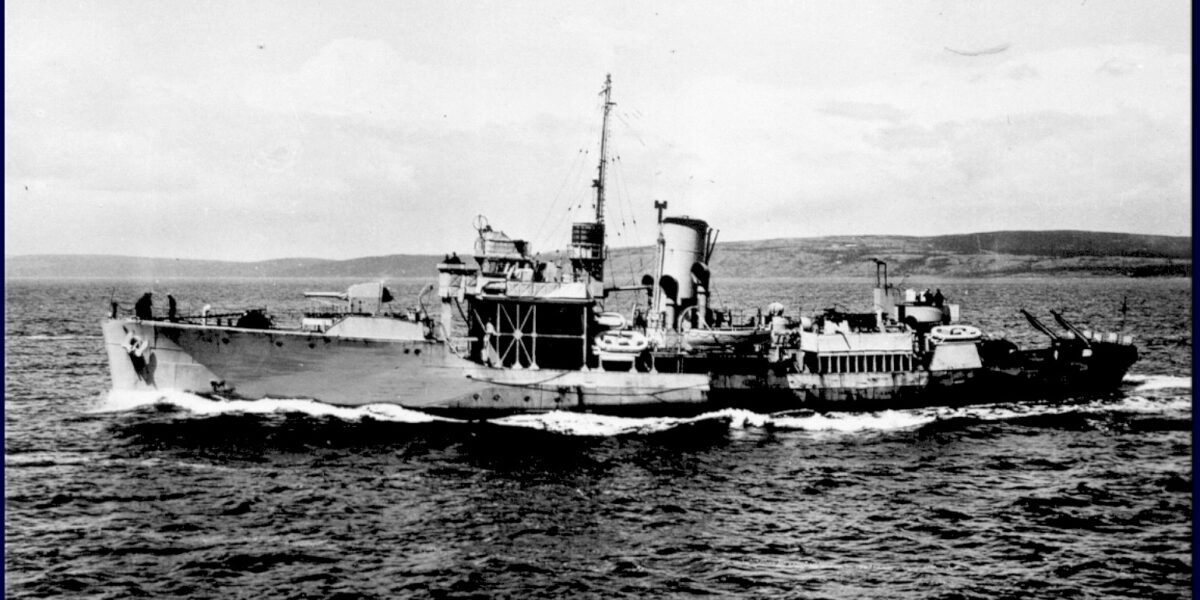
{"points": [[37, 337], [584, 424], [46, 459], [122, 401], [888, 420], [1159, 382], [593, 425], [1140, 404], [73, 459]]}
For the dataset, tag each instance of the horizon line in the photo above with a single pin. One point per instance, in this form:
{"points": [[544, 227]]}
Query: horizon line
{"points": [[434, 254]]}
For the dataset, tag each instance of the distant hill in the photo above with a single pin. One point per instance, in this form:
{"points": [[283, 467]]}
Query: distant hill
{"points": [[992, 254], [1062, 244], [101, 266]]}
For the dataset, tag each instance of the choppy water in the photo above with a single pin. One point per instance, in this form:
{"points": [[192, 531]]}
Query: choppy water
{"points": [[173, 495]]}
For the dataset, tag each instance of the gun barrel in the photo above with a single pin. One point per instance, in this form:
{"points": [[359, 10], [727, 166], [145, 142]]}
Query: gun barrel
{"points": [[1065, 324], [1038, 325]]}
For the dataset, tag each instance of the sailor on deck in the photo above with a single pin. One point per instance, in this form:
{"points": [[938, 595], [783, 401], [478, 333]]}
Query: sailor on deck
{"points": [[144, 308]]}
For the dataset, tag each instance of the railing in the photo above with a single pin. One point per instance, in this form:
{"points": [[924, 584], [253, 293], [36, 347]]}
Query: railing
{"points": [[280, 319]]}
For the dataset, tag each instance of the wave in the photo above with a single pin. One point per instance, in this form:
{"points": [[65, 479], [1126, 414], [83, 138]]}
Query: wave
{"points": [[594, 425], [47, 337], [46, 459], [1139, 404], [39, 459], [124, 401], [582, 424], [1008, 411], [836, 422], [1159, 382]]}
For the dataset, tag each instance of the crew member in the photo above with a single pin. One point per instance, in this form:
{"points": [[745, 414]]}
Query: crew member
{"points": [[639, 320], [144, 308]]}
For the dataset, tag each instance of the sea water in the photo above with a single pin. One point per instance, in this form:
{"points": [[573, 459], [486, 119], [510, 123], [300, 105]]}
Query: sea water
{"points": [[115, 495]]}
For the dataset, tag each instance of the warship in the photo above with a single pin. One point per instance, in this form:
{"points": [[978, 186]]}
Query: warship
{"points": [[511, 333]]}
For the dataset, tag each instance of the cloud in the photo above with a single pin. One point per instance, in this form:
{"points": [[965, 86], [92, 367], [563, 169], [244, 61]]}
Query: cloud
{"points": [[1118, 67], [980, 51], [865, 111], [371, 82], [351, 134], [1057, 168], [363, 79], [1022, 71]]}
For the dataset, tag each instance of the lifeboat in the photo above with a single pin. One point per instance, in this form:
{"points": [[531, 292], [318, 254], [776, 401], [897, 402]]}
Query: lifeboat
{"points": [[621, 342], [954, 333]]}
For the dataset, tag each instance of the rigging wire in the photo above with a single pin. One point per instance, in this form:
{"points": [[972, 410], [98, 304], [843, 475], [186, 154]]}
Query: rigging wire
{"points": [[632, 131], [573, 176], [565, 216], [632, 213], [629, 230], [625, 206], [620, 202]]}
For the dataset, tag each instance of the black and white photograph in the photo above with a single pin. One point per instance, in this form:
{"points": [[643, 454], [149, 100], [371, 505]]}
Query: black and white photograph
{"points": [[533, 299]]}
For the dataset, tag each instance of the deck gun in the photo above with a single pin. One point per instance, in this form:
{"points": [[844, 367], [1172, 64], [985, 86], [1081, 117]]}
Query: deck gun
{"points": [[1062, 321], [1038, 325]]}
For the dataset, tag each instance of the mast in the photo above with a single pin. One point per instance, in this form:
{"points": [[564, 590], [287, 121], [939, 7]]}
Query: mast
{"points": [[587, 239], [599, 183], [660, 251]]}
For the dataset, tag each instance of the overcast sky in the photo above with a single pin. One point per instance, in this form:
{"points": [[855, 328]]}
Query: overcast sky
{"points": [[256, 130]]}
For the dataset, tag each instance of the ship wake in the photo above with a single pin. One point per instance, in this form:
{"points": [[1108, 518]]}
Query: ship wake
{"points": [[1147, 394], [1146, 383], [124, 401]]}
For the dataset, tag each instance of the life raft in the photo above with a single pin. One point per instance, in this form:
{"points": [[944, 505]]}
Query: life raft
{"points": [[954, 333], [612, 320], [621, 342]]}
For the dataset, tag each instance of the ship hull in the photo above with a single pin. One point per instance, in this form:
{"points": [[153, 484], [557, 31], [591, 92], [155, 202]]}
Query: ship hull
{"points": [[853, 392], [1063, 370], [426, 375]]}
